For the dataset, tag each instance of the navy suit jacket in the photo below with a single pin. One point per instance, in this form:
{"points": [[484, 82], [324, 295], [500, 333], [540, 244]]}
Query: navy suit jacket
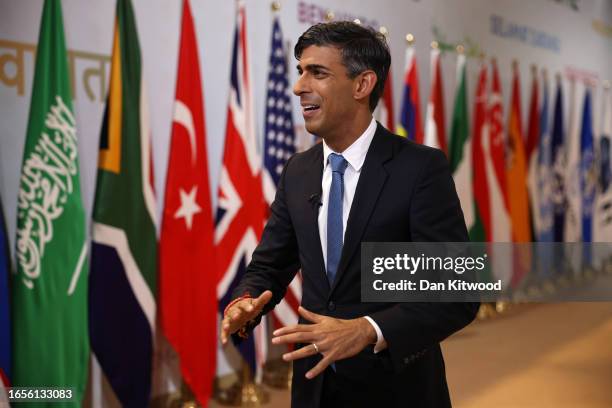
{"points": [[405, 193]]}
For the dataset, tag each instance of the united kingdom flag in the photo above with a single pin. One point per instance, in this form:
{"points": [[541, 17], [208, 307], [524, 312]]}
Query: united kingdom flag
{"points": [[242, 209]]}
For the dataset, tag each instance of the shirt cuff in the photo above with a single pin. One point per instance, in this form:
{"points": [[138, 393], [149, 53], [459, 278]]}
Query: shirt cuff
{"points": [[380, 340]]}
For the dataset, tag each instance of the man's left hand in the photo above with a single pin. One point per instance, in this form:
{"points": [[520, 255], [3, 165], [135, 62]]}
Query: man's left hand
{"points": [[335, 339]]}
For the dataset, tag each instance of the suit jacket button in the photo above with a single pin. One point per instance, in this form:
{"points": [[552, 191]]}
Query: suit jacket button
{"points": [[331, 306]]}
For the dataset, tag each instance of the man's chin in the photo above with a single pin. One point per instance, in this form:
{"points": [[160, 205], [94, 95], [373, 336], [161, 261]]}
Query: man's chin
{"points": [[312, 128]]}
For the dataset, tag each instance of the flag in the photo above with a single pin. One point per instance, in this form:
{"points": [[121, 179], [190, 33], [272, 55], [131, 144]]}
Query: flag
{"points": [[279, 145], [5, 322], [481, 228], [603, 215], [384, 111], [123, 278], [435, 131], [541, 185], [49, 290], [242, 208], [573, 223], [410, 114], [495, 152], [460, 154], [543, 209], [533, 125], [516, 175], [187, 287], [531, 151], [588, 174], [559, 160]]}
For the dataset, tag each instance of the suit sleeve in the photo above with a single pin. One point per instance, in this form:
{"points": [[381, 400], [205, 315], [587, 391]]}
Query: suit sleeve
{"points": [[275, 261], [435, 216]]}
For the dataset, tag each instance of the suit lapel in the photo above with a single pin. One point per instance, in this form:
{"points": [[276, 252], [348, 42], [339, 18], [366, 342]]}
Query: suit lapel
{"points": [[313, 192], [371, 182]]}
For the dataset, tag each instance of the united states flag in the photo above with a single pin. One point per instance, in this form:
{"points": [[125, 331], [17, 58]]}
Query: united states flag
{"points": [[279, 145]]}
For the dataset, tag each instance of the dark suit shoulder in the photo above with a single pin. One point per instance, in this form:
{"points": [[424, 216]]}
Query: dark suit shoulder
{"points": [[409, 151]]}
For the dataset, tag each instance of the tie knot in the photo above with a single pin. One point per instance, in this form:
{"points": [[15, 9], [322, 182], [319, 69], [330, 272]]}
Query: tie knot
{"points": [[338, 163]]}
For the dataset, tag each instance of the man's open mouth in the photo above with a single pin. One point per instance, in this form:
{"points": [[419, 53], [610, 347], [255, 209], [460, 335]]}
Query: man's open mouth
{"points": [[308, 108]]}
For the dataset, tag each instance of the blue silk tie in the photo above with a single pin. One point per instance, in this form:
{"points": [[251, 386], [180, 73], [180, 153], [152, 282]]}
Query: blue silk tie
{"points": [[335, 235]]}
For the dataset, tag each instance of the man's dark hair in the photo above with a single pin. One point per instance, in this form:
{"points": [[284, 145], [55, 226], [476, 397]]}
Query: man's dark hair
{"points": [[361, 48]]}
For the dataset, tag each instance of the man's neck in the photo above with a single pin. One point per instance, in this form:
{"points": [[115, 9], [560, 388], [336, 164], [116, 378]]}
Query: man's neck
{"points": [[346, 137]]}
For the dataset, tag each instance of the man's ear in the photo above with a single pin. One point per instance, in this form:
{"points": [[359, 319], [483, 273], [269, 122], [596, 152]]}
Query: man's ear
{"points": [[364, 84]]}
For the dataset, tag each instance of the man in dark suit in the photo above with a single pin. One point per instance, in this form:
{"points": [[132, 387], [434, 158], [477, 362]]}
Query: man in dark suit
{"points": [[362, 183]]}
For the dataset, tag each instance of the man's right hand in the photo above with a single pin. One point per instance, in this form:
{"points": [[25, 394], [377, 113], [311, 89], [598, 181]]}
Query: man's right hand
{"points": [[241, 312]]}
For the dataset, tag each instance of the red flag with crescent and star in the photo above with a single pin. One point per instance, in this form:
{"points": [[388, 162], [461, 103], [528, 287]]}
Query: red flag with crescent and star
{"points": [[188, 277]]}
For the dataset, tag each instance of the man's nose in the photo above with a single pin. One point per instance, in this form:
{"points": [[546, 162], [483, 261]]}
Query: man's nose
{"points": [[300, 86]]}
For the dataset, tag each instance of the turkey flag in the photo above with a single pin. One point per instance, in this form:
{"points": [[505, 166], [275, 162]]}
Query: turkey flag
{"points": [[188, 297]]}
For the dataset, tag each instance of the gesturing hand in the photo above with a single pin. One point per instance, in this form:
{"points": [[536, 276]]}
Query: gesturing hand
{"points": [[335, 339], [241, 312]]}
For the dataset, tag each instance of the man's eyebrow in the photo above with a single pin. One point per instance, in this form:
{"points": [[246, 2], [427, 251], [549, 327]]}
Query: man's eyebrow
{"points": [[311, 67]]}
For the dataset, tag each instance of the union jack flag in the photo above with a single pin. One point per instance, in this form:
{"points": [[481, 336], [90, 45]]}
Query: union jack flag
{"points": [[279, 145], [242, 209]]}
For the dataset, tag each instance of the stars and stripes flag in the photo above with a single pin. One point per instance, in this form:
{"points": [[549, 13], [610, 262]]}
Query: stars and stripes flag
{"points": [[410, 124], [279, 145], [242, 208], [188, 295]]}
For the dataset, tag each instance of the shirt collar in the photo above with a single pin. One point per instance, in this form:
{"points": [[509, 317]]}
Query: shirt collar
{"points": [[354, 154]]}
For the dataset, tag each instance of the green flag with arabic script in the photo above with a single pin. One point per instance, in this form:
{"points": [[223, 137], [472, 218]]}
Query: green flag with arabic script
{"points": [[49, 291]]}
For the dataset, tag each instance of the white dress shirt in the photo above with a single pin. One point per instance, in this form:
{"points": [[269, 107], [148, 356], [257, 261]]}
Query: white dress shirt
{"points": [[355, 156]]}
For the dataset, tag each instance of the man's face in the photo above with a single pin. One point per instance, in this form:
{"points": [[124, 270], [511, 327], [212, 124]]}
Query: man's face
{"points": [[325, 91]]}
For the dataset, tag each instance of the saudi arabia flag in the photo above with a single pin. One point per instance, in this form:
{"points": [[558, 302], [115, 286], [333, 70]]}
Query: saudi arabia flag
{"points": [[49, 311]]}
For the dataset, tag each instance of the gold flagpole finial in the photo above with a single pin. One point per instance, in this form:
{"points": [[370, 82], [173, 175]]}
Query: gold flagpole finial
{"points": [[276, 6], [460, 49], [410, 38], [329, 16], [434, 45]]}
